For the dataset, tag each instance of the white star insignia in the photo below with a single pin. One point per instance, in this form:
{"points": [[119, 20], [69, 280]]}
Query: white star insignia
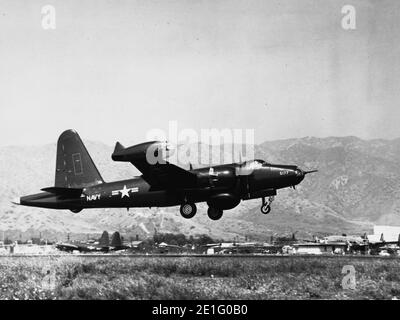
{"points": [[212, 173], [125, 192]]}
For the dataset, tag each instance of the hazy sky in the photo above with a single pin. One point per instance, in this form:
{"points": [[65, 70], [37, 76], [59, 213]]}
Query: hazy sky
{"points": [[113, 70]]}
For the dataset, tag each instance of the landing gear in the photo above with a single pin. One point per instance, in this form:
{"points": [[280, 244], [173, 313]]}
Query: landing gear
{"points": [[76, 210], [214, 214], [266, 205], [188, 210]]}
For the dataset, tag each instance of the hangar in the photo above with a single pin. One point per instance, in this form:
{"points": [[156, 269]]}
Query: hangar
{"points": [[385, 234]]}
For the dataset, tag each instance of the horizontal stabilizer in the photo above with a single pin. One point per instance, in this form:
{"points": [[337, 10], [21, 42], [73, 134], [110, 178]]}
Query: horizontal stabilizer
{"points": [[70, 192]]}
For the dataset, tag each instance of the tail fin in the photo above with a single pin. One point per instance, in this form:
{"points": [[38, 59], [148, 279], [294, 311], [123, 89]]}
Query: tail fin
{"points": [[74, 166], [118, 147]]}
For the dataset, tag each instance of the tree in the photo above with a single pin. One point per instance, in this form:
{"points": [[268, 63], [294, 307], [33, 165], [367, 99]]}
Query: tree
{"points": [[35, 240], [170, 238], [105, 239], [116, 240], [204, 239]]}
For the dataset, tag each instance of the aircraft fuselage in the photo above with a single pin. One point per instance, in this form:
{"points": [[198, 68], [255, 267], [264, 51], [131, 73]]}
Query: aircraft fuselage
{"points": [[79, 185], [137, 192]]}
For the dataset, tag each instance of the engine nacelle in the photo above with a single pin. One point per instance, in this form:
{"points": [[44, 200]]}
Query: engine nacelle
{"points": [[260, 194], [153, 151], [218, 177], [223, 201]]}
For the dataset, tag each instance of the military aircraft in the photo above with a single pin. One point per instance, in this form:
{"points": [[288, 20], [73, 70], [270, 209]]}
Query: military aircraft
{"points": [[69, 247], [79, 185]]}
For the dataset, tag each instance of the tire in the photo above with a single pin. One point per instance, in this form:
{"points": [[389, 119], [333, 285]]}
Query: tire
{"points": [[188, 210], [76, 210], [214, 214], [265, 209]]}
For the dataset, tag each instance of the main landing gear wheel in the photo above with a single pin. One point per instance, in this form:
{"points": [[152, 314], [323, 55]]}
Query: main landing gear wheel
{"points": [[214, 214], [266, 205], [188, 210]]}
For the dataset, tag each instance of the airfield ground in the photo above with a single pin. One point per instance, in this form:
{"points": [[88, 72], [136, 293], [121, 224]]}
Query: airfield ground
{"points": [[77, 277]]}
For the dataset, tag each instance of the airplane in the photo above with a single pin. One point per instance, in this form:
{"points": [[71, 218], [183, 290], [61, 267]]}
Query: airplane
{"points": [[79, 185], [68, 247], [72, 247]]}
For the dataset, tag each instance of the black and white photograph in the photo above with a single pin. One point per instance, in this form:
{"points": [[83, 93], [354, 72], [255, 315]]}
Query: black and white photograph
{"points": [[213, 151]]}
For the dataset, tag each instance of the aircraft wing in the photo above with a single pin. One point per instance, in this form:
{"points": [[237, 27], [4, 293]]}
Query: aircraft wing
{"points": [[165, 175], [66, 247], [159, 175]]}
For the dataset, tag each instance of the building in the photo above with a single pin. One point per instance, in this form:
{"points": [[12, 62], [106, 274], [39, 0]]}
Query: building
{"points": [[385, 234], [320, 248]]}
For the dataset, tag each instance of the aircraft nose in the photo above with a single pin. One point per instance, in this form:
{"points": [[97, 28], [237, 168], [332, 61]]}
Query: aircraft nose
{"points": [[16, 201], [299, 174]]}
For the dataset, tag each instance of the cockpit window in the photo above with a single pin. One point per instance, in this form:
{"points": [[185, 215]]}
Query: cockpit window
{"points": [[262, 162], [255, 163], [247, 167]]}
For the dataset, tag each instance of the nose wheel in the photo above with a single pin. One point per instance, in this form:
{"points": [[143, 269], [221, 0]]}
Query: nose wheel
{"points": [[188, 210], [266, 205]]}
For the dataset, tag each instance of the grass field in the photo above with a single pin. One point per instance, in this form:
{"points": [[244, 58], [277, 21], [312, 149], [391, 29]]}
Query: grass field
{"points": [[72, 277]]}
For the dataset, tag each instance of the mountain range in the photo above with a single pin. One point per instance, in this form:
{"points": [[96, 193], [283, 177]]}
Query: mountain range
{"points": [[356, 187]]}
